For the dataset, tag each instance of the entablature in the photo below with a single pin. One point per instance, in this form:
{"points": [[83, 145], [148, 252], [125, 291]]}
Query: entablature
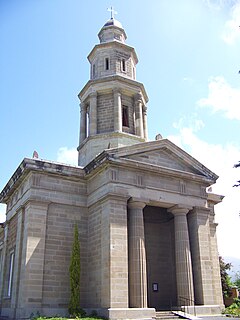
{"points": [[108, 84]]}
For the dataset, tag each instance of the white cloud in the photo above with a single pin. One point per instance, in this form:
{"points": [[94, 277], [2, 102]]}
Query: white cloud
{"points": [[193, 122], [222, 98], [2, 212], [68, 156], [188, 80], [220, 159], [214, 4], [220, 4], [231, 31]]}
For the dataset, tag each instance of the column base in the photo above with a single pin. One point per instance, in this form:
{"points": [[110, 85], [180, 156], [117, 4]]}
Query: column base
{"points": [[131, 313]]}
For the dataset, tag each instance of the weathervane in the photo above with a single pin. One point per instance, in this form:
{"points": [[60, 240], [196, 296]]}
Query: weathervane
{"points": [[113, 12]]}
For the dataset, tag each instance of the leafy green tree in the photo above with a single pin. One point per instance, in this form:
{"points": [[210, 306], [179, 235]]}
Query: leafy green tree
{"points": [[237, 280], [74, 269], [225, 279]]}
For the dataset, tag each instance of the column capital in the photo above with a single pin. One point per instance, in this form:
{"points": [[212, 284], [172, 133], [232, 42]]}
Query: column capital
{"points": [[136, 204], [179, 209], [138, 97], [93, 94], [201, 210], [116, 90]]}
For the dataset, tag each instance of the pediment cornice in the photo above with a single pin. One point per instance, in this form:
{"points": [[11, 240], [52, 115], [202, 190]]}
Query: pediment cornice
{"points": [[160, 156]]}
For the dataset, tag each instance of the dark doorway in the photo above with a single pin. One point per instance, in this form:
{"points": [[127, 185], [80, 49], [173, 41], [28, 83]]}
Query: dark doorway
{"points": [[160, 255]]}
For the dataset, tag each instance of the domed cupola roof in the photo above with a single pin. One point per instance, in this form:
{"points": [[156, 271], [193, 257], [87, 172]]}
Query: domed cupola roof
{"points": [[113, 22], [112, 31]]}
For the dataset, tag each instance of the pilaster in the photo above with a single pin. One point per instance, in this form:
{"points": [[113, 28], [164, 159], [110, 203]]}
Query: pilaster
{"points": [[213, 199], [201, 255], [4, 262], [17, 261], [114, 254], [32, 262], [183, 255], [93, 114], [137, 256]]}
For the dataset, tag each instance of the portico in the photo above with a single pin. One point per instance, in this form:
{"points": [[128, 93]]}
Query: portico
{"points": [[160, 258]]}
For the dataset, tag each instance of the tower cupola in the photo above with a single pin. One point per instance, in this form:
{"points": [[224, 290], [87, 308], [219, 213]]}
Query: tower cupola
{"points": [[112, 55], [112, 31]]}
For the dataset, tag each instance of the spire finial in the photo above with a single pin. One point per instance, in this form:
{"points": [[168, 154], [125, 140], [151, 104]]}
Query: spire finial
{"points": [[113, 12]]}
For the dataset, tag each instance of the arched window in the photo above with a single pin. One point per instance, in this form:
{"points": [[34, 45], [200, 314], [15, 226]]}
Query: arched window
{"points": [[106, 63], [123, 65], [125, 116]]}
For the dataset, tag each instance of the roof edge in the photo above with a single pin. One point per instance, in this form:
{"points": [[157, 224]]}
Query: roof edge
{"points": [[41, 165]]}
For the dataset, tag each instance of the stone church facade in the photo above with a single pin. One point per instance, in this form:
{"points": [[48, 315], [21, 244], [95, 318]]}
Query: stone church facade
{"points": [[146, 223]]}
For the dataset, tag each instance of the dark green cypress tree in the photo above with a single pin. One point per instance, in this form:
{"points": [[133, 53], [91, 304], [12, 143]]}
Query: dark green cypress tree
{"points": [[74, 270]]}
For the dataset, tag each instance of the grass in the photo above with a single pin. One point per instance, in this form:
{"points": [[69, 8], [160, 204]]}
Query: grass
{"points": [[57, 318]]}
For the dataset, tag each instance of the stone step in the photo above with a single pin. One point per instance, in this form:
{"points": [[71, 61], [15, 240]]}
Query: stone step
{"points": [[185, 315], [168, 315]]}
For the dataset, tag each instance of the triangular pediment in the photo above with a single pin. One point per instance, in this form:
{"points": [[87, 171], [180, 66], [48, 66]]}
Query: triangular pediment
{"points": [[164, 154]]}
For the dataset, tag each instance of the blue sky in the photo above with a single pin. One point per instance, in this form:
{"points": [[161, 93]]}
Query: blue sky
{"points": [[189, 58]]}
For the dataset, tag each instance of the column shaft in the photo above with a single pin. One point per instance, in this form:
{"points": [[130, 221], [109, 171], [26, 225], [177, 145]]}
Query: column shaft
{"points": [[145, 130], [138, 116], [183, 256], [83, 120], [137, 257], [117, 110]]}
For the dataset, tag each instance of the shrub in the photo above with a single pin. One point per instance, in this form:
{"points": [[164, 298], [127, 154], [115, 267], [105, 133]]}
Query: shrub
{"points": [[74, 269], [234, 308]]}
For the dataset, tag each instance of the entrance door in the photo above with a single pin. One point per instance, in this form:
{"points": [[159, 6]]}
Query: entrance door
{"points": [[160, 255]]}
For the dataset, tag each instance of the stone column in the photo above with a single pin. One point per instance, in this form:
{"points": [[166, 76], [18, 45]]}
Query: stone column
{"points": [[138, 115], [83, 132], [117, 110], [183, 255], [137, 256], [93, 114], [145, 130]]}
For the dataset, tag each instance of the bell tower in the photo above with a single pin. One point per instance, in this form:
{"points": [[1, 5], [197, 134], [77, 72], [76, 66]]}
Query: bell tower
{"points": [[112, 103]]}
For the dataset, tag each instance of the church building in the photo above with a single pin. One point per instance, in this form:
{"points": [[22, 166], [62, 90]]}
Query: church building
{"points": [[146, 223]]}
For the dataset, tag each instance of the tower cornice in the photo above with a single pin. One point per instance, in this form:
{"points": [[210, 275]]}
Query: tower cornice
{"points": [[109, 83], [113, 44]]}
